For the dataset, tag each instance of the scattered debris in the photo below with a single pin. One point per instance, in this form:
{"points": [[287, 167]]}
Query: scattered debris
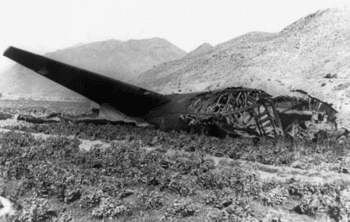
{"points": [[4, 116]]}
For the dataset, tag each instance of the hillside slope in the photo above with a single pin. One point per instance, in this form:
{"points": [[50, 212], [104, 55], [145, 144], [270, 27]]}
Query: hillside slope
{"points": [[120, 60], [312, 54]]}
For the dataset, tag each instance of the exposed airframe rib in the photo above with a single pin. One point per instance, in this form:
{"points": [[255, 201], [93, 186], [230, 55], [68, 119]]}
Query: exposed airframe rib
{"points": [[129, 99]]}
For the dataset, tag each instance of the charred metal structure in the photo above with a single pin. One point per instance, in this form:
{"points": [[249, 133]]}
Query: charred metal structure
{"points": [[304, 115], [235, 112]]}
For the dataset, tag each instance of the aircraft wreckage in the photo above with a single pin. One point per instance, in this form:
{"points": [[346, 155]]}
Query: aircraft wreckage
{"points": [[236, 111]]}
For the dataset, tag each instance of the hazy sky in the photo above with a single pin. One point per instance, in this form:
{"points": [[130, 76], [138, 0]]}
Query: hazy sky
{"points": [[43, 26]]}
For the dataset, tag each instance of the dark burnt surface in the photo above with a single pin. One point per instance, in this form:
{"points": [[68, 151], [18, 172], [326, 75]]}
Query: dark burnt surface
{"points": [[129, 99]]}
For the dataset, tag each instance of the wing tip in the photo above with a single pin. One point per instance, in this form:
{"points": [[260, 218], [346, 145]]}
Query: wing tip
{"points": [[25, 58], [10, 51]]}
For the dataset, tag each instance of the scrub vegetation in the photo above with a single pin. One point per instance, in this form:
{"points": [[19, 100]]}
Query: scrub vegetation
{"points": [[139, 174]]}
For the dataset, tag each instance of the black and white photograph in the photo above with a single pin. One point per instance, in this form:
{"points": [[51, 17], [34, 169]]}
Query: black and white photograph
{"points": [[174, 110]]}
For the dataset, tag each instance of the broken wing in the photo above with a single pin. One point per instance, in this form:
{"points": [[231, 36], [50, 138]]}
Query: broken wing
{"points": [[129, 99]]}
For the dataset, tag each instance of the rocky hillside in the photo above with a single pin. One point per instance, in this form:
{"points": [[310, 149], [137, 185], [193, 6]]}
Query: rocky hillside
{"points": [[312, 54], [117, 59]]}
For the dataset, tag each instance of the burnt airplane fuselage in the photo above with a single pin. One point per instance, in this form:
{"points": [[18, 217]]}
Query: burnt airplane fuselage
{"points": [[232, 111]]}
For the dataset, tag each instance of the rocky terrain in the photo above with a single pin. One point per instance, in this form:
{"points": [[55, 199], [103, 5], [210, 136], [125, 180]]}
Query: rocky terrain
{"points": [[312, 54], [113, 58]]}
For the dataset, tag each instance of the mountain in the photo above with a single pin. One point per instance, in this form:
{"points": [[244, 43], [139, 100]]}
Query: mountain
{"points": [[205, 47], [122, 60], [312, 54]]}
